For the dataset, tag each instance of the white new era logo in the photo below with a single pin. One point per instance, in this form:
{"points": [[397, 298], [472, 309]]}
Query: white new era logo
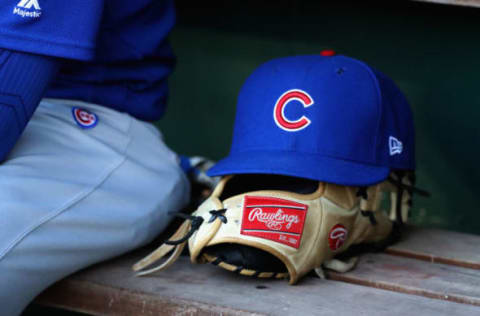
{"points": [[396, 146], [28, 4]]}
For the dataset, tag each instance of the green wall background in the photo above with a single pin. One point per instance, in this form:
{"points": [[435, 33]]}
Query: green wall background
{"points": [[431, 51]]}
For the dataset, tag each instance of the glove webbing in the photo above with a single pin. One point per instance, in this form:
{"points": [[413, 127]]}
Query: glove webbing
{"points": [[362, 193], [401, 187]]}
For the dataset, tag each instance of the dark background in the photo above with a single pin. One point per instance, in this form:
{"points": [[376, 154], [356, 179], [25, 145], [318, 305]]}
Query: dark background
{"points": [[431, 51]]}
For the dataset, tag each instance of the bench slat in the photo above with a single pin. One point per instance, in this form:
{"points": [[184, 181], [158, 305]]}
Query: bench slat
{"points": [[100, 299], [111, 288], [435, 245], [411, 276]]}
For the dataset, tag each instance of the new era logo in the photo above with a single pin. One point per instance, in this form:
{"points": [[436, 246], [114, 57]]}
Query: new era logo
{"points": [[28, 8], [396, 146]]}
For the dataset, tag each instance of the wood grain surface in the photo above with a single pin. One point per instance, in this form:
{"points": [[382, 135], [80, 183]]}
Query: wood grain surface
{"points": [[411, 276], [435, 245], [111, 289]]}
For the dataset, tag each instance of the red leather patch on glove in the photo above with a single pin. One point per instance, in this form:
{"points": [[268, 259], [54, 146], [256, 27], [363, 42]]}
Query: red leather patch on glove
{"points": [[275, 219], [337, 236]]}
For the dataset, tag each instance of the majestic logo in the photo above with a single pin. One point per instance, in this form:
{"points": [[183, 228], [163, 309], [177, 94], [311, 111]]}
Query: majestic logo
{"points": [[84, 118], [28, 8], [337, 236], [396, 146], [275, 219], [279, 111], [28, 4]]}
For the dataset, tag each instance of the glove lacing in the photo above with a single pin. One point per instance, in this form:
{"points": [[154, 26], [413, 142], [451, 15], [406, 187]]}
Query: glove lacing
{"points": [[188, 228]]}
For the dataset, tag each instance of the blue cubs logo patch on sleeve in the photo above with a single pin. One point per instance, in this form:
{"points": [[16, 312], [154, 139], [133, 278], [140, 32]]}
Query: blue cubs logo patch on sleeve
{"points": [[83, 118]]}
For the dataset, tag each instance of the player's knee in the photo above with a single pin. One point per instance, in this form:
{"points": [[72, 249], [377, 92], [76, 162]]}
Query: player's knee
{"points": [[172, 193]]}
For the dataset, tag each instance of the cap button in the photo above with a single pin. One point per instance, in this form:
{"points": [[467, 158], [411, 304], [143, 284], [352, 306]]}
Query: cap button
{"points": [[328, 53]]}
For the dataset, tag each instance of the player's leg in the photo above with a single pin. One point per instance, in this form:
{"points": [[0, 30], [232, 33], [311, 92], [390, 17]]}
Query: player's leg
{"points": [[70, 196]]}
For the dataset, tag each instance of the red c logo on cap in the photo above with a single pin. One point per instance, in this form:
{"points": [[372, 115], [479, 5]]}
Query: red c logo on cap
{"points": [[279, 110]]}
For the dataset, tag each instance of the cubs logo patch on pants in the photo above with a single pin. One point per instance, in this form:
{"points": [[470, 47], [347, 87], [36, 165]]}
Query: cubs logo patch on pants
{"points": [[84, 118]]}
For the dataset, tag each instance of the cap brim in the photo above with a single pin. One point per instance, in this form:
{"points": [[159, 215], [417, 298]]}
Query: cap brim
{"points": [[301, 165]]}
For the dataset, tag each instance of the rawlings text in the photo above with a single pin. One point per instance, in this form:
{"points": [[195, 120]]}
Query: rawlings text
{"points": [[275, 219]]}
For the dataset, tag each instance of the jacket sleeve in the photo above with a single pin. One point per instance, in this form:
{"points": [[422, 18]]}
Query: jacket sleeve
{"points": [[24, 78]]}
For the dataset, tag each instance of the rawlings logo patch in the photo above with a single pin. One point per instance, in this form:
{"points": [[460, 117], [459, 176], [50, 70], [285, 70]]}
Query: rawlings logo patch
{"points": [[274, 219], [337, 236], [84, 118], [279, 111]]}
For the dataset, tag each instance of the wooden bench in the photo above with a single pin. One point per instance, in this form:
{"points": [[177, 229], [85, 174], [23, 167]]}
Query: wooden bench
{"points": [[430, 272]]}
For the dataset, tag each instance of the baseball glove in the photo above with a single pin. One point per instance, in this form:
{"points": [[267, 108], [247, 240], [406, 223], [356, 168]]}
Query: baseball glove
{"points": [[277, 227]]}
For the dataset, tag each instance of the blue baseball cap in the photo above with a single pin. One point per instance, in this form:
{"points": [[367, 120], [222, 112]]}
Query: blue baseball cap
{"points": [[325, 117]]}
